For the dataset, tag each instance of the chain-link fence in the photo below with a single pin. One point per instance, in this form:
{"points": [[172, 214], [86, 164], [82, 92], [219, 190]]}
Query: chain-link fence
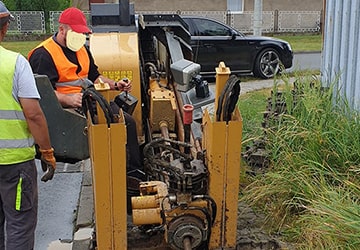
{"points": [[28, 22], [273, 21]]}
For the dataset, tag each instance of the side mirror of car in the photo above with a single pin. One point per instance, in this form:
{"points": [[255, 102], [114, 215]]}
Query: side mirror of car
{"points": [[233, 34]]}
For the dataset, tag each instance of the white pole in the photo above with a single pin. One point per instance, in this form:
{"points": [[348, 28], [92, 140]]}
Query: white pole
{"points": [[258, 17]]}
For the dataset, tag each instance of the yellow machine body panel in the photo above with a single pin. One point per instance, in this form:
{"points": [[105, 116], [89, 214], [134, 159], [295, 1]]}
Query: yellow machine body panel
{"points": [[108, 160], [223, 161], [117, 55]]}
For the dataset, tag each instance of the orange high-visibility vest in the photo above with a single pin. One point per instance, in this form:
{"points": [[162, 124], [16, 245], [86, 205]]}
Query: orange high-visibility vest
{"points": [[66, 69]]}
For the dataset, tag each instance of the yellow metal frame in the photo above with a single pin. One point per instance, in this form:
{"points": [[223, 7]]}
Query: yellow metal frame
{"points": [[117, 55], [223, 160], [108, 160]]}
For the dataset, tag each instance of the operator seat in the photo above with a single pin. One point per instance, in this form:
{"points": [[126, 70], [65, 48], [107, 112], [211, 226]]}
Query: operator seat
{"points": [[66, 126]]}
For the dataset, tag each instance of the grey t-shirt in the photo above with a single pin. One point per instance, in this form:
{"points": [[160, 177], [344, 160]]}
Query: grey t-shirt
{"points": [[24, 82]]}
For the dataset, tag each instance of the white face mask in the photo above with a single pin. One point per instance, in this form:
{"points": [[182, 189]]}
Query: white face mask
{"points": [[74, 40]]}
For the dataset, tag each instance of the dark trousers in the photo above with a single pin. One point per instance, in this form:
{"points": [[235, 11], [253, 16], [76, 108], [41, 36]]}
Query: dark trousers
{"points": [[18, 205]]}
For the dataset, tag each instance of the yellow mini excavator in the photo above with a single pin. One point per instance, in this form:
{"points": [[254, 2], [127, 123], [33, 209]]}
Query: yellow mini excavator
{"points": [[191, 155]]}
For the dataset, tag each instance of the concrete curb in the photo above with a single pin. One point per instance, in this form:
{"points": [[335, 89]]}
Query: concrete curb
{"points": [[85, 213]]}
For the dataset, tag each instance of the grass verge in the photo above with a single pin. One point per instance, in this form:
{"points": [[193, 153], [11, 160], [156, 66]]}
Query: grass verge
{"points": [[303, 43], [23, 47]]}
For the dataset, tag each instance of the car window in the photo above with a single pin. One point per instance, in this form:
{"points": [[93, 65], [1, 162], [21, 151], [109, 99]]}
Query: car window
{"points": [[191, 28], [211, 28]]}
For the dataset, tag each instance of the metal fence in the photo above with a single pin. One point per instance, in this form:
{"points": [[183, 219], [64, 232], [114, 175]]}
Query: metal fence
{"points": [[28, 22], [273, 21], [341, 53]]}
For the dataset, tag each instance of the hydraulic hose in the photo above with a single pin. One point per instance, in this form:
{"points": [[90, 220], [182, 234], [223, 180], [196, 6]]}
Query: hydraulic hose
{"points": [[89, 96], [228, 99], [212, 204]]}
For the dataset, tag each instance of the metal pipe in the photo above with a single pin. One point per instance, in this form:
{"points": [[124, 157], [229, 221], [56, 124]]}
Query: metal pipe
{"points": [[188, 113], [199, 153], [195, 150], [164, 129], [187, 243], [180, 132]]}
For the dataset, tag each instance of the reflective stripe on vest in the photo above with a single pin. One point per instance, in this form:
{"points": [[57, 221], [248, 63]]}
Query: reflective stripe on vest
{"points": [[66, 69], [73, 86], [11, 115], [16, 142]]}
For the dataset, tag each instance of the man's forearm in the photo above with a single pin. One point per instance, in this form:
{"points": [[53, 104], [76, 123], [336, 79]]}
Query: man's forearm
{"points": [[36, 122], [39, 131], [69, 100]]}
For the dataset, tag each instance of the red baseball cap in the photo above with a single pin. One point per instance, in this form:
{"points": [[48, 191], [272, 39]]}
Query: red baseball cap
{"points": [[76, 19]]}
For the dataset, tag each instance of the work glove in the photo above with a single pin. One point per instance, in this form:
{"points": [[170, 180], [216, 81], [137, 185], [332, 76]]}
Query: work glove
{"points": [[48, 163]]}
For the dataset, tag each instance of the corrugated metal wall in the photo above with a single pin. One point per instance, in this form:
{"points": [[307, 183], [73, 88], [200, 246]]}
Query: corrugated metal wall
{"points": [[341, 52]]}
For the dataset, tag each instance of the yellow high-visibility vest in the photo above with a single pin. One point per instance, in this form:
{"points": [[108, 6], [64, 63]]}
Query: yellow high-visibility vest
{"points": [[16, 141]]}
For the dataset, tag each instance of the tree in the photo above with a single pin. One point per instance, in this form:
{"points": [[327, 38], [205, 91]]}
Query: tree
{"points": [[10, 4], [37, 5]]}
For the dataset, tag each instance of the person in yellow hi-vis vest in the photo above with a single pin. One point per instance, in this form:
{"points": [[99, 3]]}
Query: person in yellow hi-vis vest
{"points": [[22, 124]]}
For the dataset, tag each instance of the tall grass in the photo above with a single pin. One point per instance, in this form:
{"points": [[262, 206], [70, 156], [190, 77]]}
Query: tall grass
{"points": [[252, 107], [311, 193]]}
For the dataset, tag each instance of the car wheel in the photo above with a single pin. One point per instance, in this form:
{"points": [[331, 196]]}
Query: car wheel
{"points": [[267, 64]]}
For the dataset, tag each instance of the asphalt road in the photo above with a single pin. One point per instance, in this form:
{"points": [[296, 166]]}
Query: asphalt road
{"points": [[307, 60], [58, 198]]}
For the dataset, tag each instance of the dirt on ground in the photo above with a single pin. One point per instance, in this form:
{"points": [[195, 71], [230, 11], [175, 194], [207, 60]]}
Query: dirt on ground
{"points": [[250, 234]]}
